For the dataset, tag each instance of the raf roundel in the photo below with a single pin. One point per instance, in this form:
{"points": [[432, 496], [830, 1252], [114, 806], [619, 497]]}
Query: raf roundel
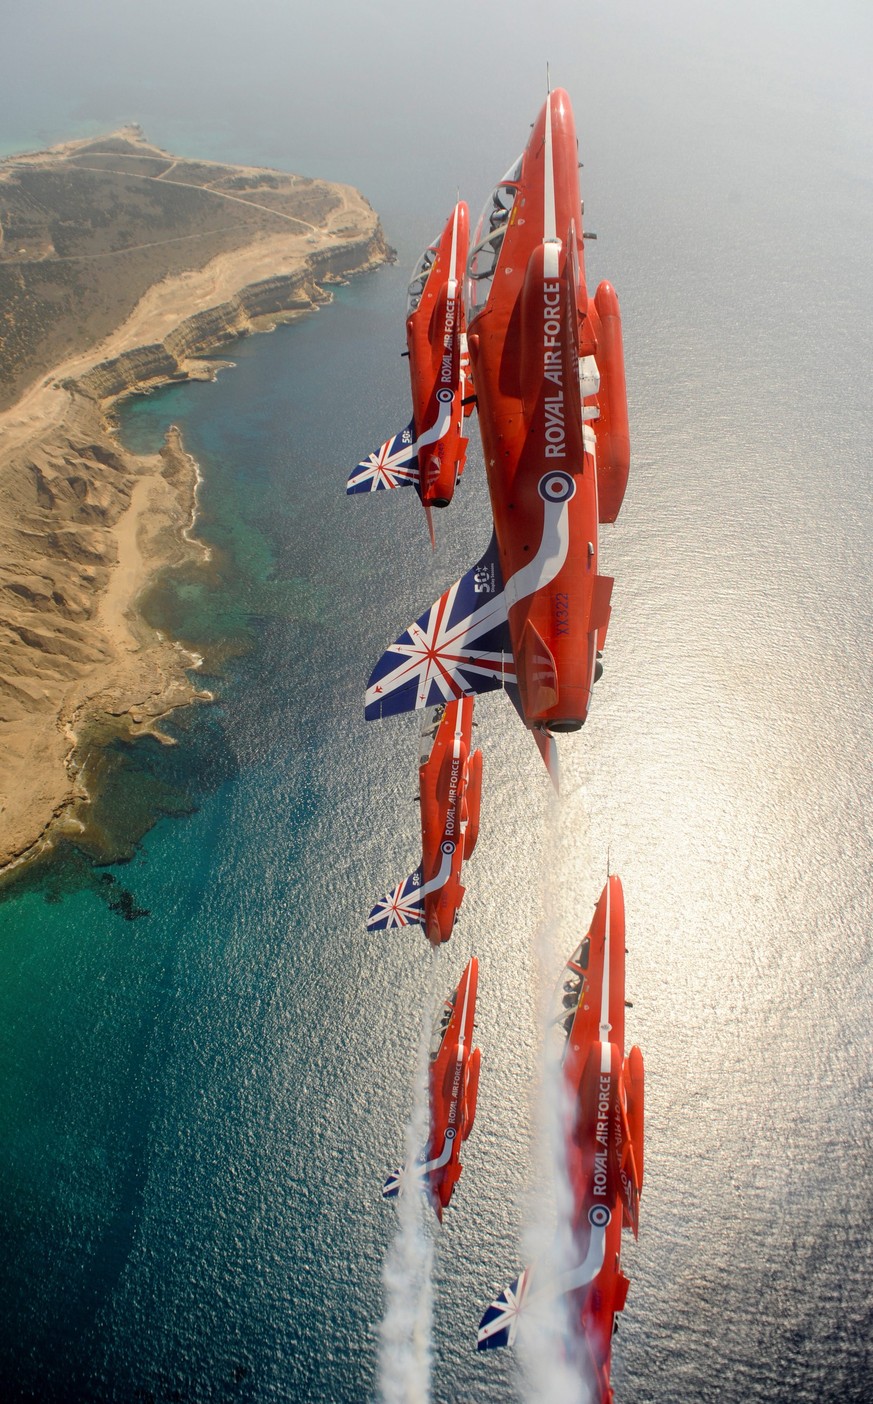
{"points": [[599, 1216], [448, 846], [556, 487], [445, 397]]}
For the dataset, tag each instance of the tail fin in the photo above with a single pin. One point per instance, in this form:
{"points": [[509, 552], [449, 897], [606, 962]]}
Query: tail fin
{"points": [[545, 741], [457, 647], [402, 906], [394, 465], [499, 1325], [548, 749]]}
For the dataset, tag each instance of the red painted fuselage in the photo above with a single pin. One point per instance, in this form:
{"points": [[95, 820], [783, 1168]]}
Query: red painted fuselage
{"points": [[549, 376], [438, 360], [604, 1133], [449, 793], [453, 1086], [602, 1106], [450, 790]]}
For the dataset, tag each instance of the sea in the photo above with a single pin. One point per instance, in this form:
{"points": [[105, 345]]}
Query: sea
{"points": [[208, 1066]]}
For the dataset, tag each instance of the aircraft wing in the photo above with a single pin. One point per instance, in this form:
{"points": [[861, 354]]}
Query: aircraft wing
{"points": [[402, 906], [499, 1325], [458, 647]]}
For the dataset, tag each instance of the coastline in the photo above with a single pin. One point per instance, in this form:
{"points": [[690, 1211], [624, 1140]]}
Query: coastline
{"points": [[87, 525]]}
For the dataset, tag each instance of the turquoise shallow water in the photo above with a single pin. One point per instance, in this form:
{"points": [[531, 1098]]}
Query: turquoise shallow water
{"points": [[201, 1101]]}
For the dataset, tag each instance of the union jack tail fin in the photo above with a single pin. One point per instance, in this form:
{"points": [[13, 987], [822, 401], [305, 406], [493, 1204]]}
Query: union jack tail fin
{"points": [[393, 1185], [402, 906], [499, 1325], [409, 1176], [395, 464], [458, 647]]}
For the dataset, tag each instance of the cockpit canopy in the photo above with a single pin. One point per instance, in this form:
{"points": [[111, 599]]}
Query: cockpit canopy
{"points": [[441, 1023], [569, 993], [419, 278], [488, 241]]}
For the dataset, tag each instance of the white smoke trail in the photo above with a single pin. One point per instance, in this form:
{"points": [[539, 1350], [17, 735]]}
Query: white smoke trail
{"points": [[405, 1350], [546, 1344]]}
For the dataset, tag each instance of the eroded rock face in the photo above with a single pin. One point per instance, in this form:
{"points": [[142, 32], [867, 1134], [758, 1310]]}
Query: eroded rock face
{"points": [[83, 523], [58, 654], [249, 310], [88, 227]]}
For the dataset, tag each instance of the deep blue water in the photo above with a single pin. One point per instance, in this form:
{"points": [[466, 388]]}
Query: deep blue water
{"points": [[200, 1103]]}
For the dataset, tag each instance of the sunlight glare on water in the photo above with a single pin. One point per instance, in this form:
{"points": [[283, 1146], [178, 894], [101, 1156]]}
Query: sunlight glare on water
{"points": [[200, 1104]]}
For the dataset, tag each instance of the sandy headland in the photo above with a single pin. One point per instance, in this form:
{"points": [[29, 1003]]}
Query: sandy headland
{"points": [[120, 267]]}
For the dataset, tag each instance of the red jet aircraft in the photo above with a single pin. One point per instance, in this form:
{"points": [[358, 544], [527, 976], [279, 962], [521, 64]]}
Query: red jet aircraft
{"points": [[429, 454], [548, 368], [453, 1085], [450, 792], [603, 1139]]}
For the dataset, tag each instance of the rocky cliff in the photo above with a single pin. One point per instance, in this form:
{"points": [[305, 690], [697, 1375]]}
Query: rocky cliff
{"points": [[85, 524]]}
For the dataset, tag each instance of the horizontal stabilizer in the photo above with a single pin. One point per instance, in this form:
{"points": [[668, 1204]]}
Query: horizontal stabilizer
{"points": [[458, 647], [394, 465], [499, 1325], [621, 1285], [403, 906], [600, 611]]}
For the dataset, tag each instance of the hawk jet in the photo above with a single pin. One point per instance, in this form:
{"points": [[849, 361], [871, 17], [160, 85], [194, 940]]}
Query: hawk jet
{"points": [[548, 367], [430, 453], [603, 1153]]}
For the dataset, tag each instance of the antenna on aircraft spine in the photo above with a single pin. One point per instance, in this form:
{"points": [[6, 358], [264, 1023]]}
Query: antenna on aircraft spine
{"points": [[548, 81]]}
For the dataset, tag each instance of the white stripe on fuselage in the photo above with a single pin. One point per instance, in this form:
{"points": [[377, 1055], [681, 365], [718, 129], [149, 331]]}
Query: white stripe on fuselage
{"points": [[548, 560], [550, 229], [569, 1281], [449, 1141], [605, 1026], [436, 430], [435, 883]]}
